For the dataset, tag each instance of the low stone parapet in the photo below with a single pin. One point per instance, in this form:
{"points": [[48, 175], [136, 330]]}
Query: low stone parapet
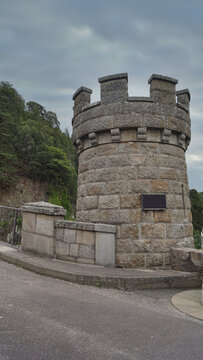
{"points": [[86, 243], [187, 259], [38, 232]]}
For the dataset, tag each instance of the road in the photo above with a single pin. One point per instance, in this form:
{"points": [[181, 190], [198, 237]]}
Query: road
{"points": [[46, 319]]}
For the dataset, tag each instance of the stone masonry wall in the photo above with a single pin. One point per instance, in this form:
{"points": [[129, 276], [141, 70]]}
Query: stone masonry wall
{"points": [[85, 243], [129, 146]]}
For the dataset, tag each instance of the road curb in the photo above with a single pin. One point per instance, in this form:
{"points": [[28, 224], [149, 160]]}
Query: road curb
{"points": [[121, 282]]}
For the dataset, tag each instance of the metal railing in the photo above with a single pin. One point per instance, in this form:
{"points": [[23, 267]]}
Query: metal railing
{"points": [[10, 225]]}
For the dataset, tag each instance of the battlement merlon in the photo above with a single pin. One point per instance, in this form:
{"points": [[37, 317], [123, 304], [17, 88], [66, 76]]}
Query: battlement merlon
{"points": [[114, 88], [162, 89], [81, 98]]}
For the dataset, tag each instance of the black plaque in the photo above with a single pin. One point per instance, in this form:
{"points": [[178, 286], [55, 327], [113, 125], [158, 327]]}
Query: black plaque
{"points": [[153, 201]]}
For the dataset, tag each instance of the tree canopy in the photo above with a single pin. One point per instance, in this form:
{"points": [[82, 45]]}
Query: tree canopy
{"points": [[32, 144]]}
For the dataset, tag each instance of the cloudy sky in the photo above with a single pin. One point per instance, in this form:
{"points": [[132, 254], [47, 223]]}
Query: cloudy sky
{"points": [[49, 48]]}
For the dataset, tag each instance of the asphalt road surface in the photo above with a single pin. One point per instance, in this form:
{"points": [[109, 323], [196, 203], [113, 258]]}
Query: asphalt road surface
{"points": [[43, 318]]}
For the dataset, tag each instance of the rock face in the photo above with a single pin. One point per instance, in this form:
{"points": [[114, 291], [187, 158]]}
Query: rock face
{"points": [[26, 190], [129, 147]]}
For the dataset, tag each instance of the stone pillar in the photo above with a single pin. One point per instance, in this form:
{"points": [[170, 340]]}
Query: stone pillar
{"points": [[38, 231]]}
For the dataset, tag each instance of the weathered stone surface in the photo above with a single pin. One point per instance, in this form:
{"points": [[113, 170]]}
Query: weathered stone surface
{"points": [[62, 250], [116, 187], [129, 200], [85, 261], [154, 260], [138, 186], [147, 172], [167, 173], [158, 186], [174, 231], [186, 259], [44, 224], [29, 221], [162, 216], [99, 162], [110, 216], [86, 251], [74, 250], [130, 260], [160, 246], [95, 188], [127, 173], [43, 207], [124, 245], [59, 234], [137, 159], [118, 160], [89, 202], [85, 237], [107, 174], [105, 249], [142, 246], [139, 216], [129, 231], [69, 236], [153, 231], [39, 244], [108, 202]]}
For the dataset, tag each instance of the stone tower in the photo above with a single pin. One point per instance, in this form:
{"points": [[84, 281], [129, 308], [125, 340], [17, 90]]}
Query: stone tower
{"points": [[132, 168]]}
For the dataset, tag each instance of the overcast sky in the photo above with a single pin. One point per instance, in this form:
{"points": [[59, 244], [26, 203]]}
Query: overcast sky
{"points": [[49, 48]]}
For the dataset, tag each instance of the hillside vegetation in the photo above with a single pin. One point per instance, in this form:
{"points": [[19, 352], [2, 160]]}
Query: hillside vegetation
{"points": [[196, 199], [32, 144]]}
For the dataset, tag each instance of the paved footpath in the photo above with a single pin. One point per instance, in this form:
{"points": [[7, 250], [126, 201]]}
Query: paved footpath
{"points": [[42, 318], [124, 279]]}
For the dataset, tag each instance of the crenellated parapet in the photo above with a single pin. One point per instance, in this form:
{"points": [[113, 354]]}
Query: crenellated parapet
{"points": [[162, 117]]}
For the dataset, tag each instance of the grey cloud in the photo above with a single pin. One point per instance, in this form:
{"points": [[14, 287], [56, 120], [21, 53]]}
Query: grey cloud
{"points": [[50, 48]]}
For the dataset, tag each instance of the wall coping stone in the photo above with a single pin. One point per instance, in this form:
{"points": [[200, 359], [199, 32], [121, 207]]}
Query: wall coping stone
{"points": [[162, 77], [113, 77], [43, 207], [85, 226], [140, 98], [89, 106], [82, 88]]}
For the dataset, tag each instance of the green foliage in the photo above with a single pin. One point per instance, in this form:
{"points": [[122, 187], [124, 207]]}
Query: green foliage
{"points": [[197, 215], [197, 239], [32, 144]]}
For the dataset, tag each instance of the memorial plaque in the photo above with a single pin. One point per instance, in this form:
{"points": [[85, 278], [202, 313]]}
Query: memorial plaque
{"points": [[153, 201]]}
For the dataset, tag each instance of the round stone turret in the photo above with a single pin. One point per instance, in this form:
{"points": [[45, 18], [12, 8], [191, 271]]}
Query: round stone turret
{"points": [[132, 169]]}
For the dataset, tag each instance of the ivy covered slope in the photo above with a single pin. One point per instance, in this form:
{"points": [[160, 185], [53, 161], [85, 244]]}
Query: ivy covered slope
{"points": [[32, 144]]}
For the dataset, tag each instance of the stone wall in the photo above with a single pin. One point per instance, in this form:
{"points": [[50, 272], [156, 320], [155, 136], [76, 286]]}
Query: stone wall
{"points": [[130, 146], [45, 232], [85, 243], [26, 190]]}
